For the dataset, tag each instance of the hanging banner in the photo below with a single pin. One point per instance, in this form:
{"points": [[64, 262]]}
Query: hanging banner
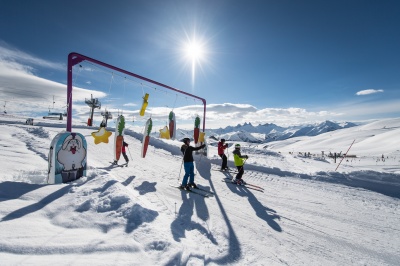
{"points": [[146, 136], [202, 137], [164, 133], [119, 137], [144, 105], [172, 125], [101, 135], [196, 129]]}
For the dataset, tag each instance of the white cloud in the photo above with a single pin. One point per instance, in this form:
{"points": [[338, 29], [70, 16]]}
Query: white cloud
{"points": [[130, 104], [20, 88], [366, 92], [12, 55]]}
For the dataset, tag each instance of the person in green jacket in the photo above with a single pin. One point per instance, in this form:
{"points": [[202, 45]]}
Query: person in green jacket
{"points": [[239, 160]]}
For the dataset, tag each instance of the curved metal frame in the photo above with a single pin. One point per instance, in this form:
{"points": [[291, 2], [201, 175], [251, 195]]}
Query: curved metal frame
{"points": [[75, 58]]}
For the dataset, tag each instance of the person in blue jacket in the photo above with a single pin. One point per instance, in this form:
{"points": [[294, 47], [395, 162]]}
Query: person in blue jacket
{"points": [[188, 164]]}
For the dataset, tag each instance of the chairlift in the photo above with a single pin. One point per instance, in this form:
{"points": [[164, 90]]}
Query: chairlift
{"points": [[106, 115], [54, 116]]}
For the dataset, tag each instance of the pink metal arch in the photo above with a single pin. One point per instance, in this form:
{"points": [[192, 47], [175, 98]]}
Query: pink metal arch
{"points": [[75, 58]]}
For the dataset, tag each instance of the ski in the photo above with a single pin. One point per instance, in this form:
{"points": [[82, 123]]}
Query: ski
{"points": [[226, 171], [246, 185], [191, 191], [120, 165], [228, 179], [254, 186]]}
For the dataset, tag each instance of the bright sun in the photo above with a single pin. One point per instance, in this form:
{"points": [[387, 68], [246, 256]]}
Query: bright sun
{"points": [[195, 52]]}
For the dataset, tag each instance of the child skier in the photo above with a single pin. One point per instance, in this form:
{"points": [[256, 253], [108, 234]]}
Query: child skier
{"points": [[239, 160], [187, 150], [124, 144], [221, 152]]}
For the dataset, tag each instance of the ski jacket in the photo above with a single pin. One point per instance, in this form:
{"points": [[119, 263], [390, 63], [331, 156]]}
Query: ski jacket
{"points": [[187, 152], [221, 148], [238, 158]]}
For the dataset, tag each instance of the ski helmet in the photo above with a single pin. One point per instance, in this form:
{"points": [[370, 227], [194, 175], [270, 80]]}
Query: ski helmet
{"points": [[186, 140], [237, 146], [222, 140]]}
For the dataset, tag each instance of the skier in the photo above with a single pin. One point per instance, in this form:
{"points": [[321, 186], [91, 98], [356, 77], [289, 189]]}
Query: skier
{"points": [[187, 150], [239, 163], [123, 151], [221, 152]]}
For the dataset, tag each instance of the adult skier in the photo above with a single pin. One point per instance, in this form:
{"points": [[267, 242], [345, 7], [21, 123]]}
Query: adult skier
{"points": [[187, 151], [239, 160], [221, 152]]}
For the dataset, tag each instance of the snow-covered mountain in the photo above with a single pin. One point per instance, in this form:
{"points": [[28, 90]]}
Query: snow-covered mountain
{"points": [[265, 133], [271, 132]]}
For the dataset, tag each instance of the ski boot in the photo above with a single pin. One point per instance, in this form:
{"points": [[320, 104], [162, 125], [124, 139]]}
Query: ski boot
{"points": [[193, 185]]}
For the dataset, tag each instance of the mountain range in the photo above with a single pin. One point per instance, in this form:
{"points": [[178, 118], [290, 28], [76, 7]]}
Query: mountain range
{"points": [[269, 132]]}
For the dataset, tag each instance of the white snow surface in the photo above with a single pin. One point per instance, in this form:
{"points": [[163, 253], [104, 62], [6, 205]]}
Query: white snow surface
{"points": [[308, 214]]}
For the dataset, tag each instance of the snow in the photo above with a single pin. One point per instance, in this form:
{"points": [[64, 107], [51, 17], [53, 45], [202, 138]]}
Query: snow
{"points": [[309, 214]]}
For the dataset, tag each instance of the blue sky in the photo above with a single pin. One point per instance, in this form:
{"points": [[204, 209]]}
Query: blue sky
{"points": [[263, 61]]}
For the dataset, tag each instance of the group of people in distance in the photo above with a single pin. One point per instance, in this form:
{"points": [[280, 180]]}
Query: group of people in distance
{"points": [[238, 159], [187, 151], [188, 160]]}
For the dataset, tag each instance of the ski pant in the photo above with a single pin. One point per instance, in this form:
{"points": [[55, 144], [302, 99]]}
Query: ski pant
{"points": [[224, 161], [189, 172], [240, 172], [125, 157]]}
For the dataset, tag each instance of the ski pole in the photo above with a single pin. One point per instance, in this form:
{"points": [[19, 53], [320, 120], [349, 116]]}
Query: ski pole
{"points": [[130, 153], [242, 165], [179, 177], [244, 162], [345, 155], [227, 159]]}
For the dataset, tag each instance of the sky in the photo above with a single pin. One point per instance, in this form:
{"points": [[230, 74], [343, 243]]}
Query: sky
{"points": [[306, 214], [283, 62]]}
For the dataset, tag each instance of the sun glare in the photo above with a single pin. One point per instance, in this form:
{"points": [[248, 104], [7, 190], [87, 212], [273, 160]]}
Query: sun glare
{"points": [[195, 53]]}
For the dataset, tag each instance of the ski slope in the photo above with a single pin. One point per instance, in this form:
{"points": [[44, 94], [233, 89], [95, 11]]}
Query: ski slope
{"points": [[309, 214]]}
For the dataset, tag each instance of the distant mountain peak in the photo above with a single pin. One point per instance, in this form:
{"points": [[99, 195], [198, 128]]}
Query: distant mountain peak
{"points": [[270, 132]]}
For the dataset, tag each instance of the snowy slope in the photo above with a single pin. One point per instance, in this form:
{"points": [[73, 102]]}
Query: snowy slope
{"points": [[308, 214]]}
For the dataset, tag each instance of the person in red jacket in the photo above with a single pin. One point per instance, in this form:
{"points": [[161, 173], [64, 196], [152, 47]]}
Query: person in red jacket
{"points": [[221, 152]]}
